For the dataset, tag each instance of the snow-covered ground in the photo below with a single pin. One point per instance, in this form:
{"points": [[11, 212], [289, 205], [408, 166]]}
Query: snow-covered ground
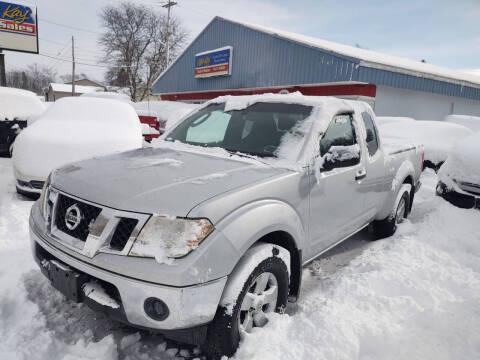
{"points": [[413, 296]]}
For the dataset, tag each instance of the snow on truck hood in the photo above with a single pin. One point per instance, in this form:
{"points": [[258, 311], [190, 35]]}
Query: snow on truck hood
{"points": [[74, 129], [159, 181]]}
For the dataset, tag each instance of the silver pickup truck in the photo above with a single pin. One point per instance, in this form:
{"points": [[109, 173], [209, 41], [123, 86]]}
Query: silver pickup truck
{"points": [[203, 235]]}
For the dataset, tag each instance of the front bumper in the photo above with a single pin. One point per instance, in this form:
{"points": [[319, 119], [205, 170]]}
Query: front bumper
{"points": [[29, 186], [189, 307], [461, 200]]}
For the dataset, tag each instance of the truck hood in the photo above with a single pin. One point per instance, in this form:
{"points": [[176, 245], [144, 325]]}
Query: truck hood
{"points": [[158, 181]]}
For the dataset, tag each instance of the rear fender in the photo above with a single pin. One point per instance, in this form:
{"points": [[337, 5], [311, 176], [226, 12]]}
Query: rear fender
{"points": [[405, 170]]}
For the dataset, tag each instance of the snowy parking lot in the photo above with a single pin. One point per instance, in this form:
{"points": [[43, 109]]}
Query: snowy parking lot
{"points": [[415, 295]]}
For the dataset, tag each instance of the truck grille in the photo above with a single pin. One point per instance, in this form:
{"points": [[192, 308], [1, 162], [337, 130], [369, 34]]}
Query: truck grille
{"points": [[87, 215], [122, 233]]}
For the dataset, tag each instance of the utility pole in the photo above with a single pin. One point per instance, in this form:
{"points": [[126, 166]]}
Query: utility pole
{"points": [[73, 67], [168, 6], [3, 75]]}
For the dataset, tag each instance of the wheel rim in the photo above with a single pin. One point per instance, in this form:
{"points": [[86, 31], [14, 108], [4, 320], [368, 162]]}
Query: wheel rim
{"points": [[400, 215], [260, 298]]}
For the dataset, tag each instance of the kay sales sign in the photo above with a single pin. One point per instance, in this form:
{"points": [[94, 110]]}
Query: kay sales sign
{"points": [[214, 62], [18, 27]]}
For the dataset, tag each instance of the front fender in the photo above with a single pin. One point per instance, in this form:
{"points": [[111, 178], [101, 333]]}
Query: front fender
{"points": [[247, 224]]}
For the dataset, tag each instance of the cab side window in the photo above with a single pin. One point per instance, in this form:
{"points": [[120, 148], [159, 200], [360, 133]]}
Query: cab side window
{"points": [[372, 139], [339, 145]]}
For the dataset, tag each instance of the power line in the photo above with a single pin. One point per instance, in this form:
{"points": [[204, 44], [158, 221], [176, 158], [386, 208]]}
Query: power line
{"points": [[70, 27], [82, 63]]}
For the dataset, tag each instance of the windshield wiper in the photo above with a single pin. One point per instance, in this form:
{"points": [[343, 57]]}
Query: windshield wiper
{"points": [[250, 155]]}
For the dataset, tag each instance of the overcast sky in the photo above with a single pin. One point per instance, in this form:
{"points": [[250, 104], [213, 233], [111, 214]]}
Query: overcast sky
{"points": [[443, 32]]}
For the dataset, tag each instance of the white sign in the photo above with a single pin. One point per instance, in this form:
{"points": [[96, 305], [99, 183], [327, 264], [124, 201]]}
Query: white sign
{"points": [[18, 27]]}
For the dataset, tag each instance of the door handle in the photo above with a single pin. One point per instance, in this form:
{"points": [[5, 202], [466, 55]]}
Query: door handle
{"points": [[361, 174]]}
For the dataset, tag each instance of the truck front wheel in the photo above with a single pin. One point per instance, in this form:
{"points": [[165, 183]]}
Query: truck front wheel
{"points": [[247, 300], [387, 227]]}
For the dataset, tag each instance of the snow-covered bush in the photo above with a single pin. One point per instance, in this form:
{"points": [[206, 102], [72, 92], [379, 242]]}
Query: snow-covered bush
{"points": [[73, 129]]}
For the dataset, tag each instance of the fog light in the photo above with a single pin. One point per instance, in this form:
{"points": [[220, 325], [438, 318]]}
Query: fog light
{"points": [[156, 309]]}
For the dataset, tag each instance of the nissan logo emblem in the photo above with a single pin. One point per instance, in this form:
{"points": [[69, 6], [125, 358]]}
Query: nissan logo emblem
{"points": [[73, 217]]}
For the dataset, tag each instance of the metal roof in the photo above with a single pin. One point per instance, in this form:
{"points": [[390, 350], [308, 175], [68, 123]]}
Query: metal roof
{"points": [[264, 57]]}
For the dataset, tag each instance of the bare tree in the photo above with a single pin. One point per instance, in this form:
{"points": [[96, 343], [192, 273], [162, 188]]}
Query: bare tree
{"points": [[34, 78], [134, 44]]}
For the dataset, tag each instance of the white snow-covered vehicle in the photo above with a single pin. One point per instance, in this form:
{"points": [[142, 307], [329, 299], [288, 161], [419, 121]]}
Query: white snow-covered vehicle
{"points": [[17, 108], [72, 129], [459, 177], [437, 137], [471, 122]]}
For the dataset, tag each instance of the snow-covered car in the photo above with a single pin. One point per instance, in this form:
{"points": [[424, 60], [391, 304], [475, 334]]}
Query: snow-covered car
{"points": [[169, 113], [72, 129], [459, 177], [202, 236], [149, 120], [438, 137], [471, 122], [17, 107]]}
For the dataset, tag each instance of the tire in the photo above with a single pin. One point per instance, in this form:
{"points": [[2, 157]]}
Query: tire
{"points": [[387, 227], [225, 331]]}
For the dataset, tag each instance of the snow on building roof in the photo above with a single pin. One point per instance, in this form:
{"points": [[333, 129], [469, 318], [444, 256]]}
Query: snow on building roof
{"points": [[374, 59], [79, 89]]}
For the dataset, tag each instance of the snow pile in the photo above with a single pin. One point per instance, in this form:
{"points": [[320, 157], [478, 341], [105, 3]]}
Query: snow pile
{"points": [[19, 104], [437, 137], [96, 292], [79, 89], [463, 163], [73, 129], [471, 122], [108, 95], [204, 179], [170, 112], [383, 120]]}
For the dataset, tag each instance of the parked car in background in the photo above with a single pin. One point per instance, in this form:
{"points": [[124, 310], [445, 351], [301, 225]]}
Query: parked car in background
{"points": [[438, 137], [471, 122], [169, 113], [459, 177], [16, 108], [204, 235], [72, 129], [149, 120]]}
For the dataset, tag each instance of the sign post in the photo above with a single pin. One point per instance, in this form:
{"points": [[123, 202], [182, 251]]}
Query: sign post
{"points": [[3, 73]]}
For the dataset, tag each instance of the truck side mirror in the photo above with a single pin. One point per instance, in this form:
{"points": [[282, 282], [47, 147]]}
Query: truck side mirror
{"points": [[341, 156]]}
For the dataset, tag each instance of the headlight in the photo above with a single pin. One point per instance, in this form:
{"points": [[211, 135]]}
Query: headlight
{"points": [[41, 199], [166, 237]]}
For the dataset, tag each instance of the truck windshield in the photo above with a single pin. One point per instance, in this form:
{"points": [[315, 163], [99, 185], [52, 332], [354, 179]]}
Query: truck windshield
{"points": [[256, 130]]}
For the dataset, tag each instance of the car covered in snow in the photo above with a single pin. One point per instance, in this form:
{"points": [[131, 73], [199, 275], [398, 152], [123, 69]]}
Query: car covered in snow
{"points": [[438, 137], [150, 124], [72, 129], [202, 236], [471, 122], [17, 107], [459, 177]]}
